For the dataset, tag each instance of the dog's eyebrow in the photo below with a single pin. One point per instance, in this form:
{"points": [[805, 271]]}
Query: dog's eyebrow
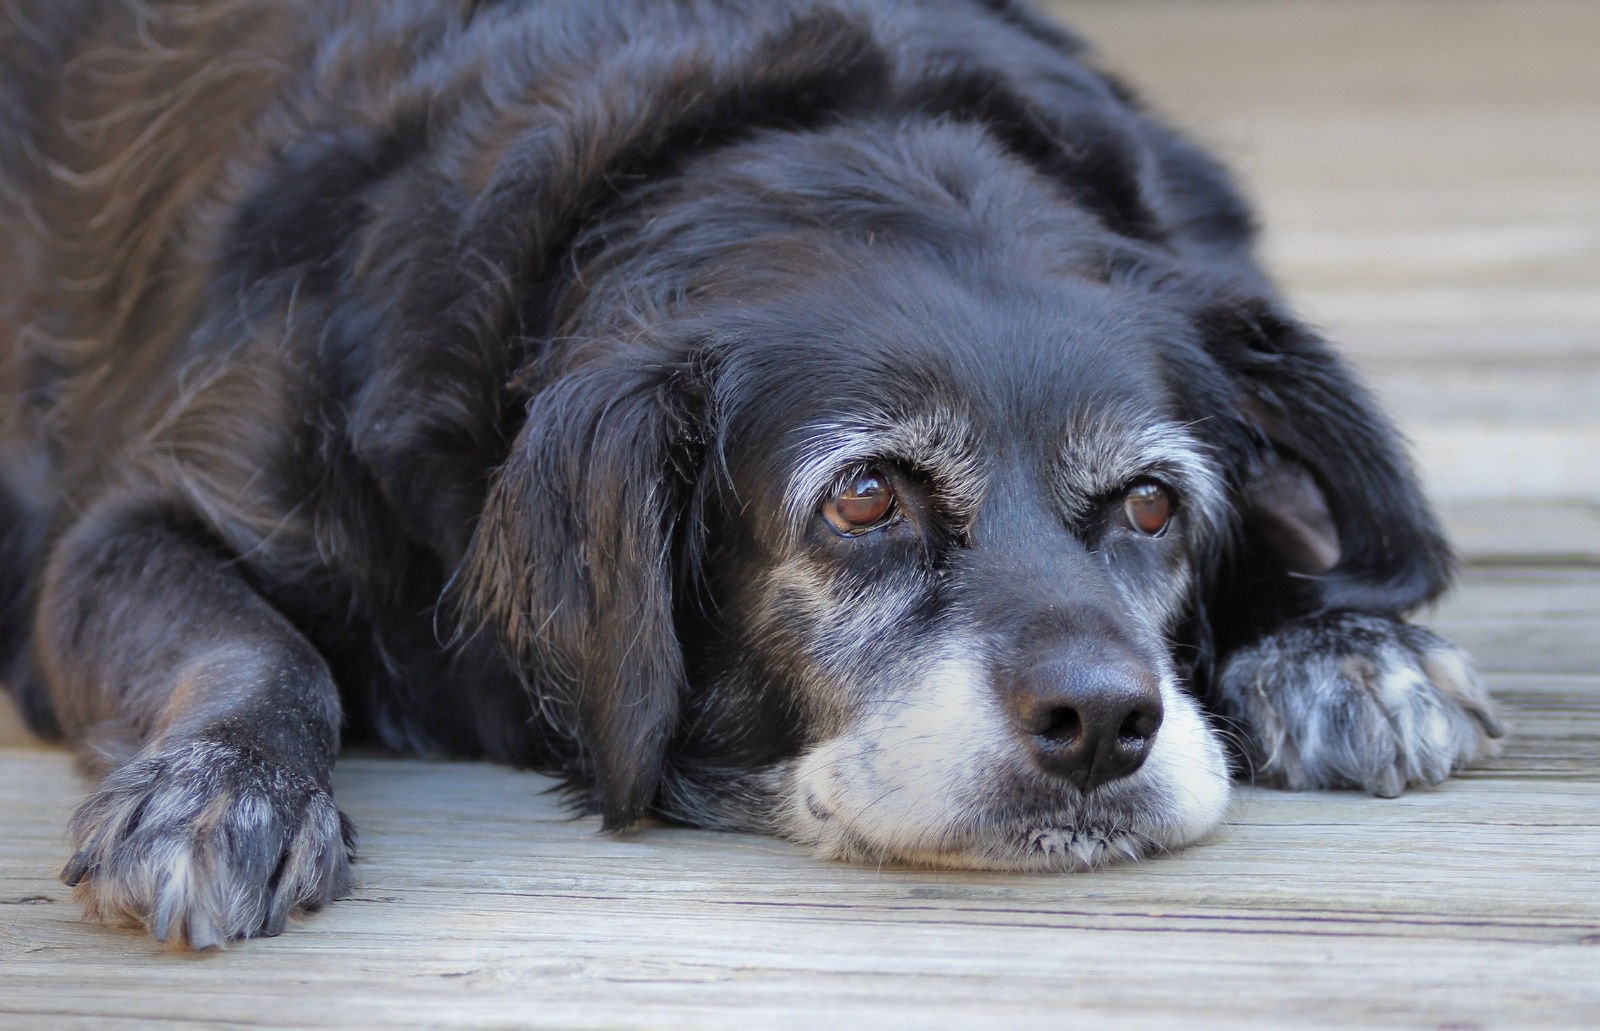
{"points": [[940, 445], [1108, 449]]}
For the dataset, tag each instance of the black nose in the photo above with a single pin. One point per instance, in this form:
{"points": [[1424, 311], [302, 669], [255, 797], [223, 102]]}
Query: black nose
{"points": [[1088, 720]]}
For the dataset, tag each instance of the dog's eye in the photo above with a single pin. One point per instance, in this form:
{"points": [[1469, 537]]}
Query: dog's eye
{"points": [[863, 502], [1147, 507]]}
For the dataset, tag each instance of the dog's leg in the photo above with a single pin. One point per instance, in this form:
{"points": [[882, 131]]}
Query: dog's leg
{"points": [[1355, 700], [216, 721]]}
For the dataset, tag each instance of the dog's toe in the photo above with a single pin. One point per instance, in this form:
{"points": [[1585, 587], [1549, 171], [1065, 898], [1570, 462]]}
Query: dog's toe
{"points": [[1351, 700], [206, 843]]}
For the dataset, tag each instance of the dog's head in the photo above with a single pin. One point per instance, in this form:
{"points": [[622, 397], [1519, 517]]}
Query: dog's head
{"points": [[878, 478], [862, 514], [959, 525]]}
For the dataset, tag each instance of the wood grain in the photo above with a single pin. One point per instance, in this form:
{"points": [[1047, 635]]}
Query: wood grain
{"points": [[1428, 174]]}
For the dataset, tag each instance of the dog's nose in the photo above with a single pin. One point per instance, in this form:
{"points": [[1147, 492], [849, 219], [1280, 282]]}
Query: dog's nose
{"points": [[1088, 723]]}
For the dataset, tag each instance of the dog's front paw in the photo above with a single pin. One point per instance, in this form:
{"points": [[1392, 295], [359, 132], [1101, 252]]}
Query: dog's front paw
{"points": [[204, 843], [1352, 700]]}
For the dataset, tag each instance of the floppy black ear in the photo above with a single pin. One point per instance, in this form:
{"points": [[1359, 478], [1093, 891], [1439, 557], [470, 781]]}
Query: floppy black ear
{"points": [[1333, 515], [572, 563]]}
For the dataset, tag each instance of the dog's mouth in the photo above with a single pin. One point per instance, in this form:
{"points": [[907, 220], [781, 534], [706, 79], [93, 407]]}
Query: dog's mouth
{"points": [[1079, 848], [1070, 841], [1041, 849]]}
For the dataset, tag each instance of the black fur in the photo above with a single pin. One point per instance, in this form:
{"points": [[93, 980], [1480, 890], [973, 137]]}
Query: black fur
{"points": [[468, 357]]}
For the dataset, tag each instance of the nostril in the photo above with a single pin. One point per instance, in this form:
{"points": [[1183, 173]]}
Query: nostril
{"points": [[1139, 726], [1059, 723]]}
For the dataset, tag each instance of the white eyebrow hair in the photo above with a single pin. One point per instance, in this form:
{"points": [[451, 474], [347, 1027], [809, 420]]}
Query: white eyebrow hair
{"points": [[1108, 449], [939, 443]]}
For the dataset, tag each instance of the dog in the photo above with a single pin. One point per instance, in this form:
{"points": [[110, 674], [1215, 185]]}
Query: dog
{"points": [[858, 421]]}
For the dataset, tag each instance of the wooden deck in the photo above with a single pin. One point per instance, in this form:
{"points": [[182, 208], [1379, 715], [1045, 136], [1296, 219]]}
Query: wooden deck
{"points": [[1430, 174]]}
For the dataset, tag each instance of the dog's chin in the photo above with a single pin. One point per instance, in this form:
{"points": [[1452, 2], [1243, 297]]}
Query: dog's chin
{"points": [[1074, 838], [1064, 846], [925, 788]]}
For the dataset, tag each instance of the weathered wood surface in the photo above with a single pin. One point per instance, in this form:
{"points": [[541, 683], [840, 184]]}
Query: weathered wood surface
{"points": [[1430, 176]]}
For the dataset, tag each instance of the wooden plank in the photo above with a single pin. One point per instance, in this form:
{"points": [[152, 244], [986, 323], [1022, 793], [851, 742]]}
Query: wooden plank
{"points": [[1415, 902], [1216, 59], [1525, 620], [1541, 531]]}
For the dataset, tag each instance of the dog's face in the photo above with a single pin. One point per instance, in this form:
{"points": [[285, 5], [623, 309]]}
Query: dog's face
{"points": [[936, 518], [963, 529]]}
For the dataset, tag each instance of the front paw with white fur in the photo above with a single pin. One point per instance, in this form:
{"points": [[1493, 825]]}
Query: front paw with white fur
{"points": [[1355, 700], [205, 843]]}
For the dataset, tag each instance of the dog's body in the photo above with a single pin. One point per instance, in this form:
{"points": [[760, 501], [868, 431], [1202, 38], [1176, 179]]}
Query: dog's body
{"points": [[854, 421]]}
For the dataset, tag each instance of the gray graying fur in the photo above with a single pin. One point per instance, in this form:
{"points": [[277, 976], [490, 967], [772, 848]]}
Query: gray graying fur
{"points": [[207, 842], [1111, 448], [1351, 700], [940, 442]]}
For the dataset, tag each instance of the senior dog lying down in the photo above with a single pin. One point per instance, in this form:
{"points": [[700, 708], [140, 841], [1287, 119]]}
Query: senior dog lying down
{"points": [[854, 420]]}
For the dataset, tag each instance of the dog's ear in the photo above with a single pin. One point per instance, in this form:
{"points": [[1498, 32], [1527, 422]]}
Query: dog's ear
{"points": [[1333, 514], [572, 562], [1286, 516]]}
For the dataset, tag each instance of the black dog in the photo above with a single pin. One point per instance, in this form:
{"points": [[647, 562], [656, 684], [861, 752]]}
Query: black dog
{"points": [[851, 420]]}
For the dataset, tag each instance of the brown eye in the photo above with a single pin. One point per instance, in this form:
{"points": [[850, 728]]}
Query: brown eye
{"points": [[862, 503], [1148, 508]]}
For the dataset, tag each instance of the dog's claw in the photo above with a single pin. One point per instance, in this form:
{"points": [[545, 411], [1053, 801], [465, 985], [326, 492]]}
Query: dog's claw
{"points": [[76, 869], [277, 918], [1391, 783], [278, 907], [161, 920], [203, 933]]}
